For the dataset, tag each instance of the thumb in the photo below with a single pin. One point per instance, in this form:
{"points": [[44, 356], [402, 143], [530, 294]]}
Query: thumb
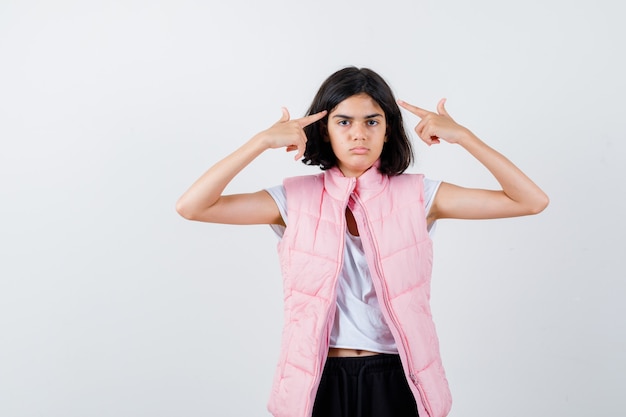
{"points": [[441, 107], [285, 117]]}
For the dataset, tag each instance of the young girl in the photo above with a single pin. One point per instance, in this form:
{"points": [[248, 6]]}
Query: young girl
{"points": [[355, 250]]}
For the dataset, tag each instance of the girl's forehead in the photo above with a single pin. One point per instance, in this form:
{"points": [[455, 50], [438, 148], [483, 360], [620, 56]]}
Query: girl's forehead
{"points": [[358, 103]]}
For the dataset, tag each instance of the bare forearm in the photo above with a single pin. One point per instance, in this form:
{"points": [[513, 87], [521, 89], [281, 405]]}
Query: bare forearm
{"points": [[209, 187], [204, 201], [519, 195], [515, 184]]}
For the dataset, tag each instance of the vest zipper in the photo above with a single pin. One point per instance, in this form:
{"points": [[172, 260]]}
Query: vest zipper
{"points": [[394, 321], [323, 354]]}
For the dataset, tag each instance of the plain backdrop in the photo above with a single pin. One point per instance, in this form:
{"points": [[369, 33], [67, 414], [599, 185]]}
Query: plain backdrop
{"points": [[113, 305]]}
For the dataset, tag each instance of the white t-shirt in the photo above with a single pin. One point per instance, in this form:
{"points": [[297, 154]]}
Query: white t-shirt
{"points": [[359, 323]]}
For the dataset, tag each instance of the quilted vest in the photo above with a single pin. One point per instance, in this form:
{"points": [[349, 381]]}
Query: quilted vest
{"points": [[389, 212]]}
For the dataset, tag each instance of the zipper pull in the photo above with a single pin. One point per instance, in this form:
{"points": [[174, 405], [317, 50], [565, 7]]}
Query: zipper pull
{"points": [[352, 185]]}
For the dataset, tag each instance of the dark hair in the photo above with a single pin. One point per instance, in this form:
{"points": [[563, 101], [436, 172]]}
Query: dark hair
{"points": [[397, 152]]}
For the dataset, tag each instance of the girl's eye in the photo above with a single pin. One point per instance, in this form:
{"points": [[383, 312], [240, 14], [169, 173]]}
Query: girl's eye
{"points": [[372, 122], [344, 123]]}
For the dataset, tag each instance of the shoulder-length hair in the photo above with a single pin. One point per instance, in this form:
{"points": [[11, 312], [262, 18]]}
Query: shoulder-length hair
{"points": [[397, 154]]}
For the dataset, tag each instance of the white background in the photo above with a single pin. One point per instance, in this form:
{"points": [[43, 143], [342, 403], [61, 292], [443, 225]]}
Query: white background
{"points": [[113, 305]]}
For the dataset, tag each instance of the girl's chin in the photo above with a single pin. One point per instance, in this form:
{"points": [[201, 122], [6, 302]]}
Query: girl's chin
{"points": [[355, 170]]}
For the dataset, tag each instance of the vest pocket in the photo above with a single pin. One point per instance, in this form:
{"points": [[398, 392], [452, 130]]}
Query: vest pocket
{"points": [[423, 397], [433, 390]]}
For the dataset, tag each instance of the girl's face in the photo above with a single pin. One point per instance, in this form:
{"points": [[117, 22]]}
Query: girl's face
{"points": [[357, 132]]}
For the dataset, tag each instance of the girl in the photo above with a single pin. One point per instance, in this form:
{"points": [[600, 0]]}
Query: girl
{"points": [[355, 250]]}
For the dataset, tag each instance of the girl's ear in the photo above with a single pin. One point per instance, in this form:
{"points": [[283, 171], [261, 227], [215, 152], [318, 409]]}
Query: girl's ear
{"points": [[324, 131]]}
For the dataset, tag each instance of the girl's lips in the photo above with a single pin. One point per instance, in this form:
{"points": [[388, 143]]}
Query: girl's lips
{"points": [[360, 150]]}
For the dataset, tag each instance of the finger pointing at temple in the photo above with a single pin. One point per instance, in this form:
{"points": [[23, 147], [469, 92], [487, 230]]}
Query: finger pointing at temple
{"points": [[307, 120], [418, 111]]}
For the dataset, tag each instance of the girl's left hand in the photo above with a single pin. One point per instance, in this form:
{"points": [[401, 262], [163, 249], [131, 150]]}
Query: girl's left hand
{"points": [[436, 126]]}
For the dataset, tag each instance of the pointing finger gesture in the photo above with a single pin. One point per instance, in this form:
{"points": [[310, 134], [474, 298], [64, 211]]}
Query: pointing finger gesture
{"points": [[435, 126], [289, 133]]}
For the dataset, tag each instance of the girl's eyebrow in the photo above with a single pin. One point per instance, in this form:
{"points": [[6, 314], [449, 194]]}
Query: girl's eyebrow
{"points": [[370, 116]]}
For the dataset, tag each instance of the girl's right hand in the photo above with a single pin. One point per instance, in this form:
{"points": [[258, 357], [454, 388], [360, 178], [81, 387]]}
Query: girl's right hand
{"points": [[203, 201], [289, 134]]}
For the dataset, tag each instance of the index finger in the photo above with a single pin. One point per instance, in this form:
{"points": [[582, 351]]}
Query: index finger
{"points": [[418, 111], [307, 120]]}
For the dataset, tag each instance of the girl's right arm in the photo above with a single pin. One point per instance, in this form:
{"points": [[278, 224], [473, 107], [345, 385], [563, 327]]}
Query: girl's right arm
{"points": [[203, 201]]}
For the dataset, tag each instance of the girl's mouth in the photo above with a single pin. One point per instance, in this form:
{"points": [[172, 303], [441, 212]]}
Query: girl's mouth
{"points": [[359, 150]]}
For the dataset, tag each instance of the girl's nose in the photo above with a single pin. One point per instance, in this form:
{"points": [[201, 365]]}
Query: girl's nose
{"points": [[358, 132]]}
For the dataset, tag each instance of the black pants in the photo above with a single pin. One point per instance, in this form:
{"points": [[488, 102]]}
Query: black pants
{"points": [[370, 386]]}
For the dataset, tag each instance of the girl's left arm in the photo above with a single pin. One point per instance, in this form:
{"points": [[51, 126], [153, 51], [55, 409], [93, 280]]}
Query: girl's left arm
{"points": [[519, 195]]}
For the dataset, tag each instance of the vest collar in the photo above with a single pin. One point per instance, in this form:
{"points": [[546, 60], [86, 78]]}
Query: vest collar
{"points": [[368, 185]]}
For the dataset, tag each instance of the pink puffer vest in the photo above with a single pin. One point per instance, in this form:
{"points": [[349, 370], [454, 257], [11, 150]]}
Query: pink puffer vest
{"points": [[389, 212]]}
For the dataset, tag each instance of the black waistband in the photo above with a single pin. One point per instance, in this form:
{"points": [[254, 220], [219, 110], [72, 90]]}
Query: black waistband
{"points": [[355, 365]]}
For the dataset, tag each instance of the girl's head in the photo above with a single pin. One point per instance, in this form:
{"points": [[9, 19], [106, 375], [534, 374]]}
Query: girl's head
{"points": [[397, 153]]}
